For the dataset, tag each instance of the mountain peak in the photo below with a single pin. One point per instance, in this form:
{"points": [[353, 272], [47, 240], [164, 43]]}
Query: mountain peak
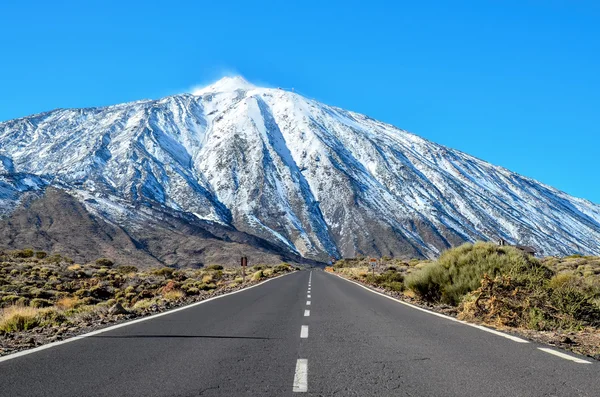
{"points": [[226, 84]]}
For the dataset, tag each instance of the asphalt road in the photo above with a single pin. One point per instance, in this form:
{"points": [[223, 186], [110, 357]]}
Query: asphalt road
{"points": [[268, 341]]}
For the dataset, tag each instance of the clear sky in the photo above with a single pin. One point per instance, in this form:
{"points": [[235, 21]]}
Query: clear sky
{"points": [[516, 83]]}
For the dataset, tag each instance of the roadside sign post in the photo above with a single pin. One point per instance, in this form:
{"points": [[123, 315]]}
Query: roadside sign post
{"points": [[373, 262], [244, 263]]}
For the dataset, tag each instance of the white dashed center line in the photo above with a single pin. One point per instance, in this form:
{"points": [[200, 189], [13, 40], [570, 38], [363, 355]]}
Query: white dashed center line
{"points": [[307, 303], [301, 376], [306, 313], [308, 296], [304, 332]]}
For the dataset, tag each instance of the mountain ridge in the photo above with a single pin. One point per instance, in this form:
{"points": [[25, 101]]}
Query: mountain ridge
{"points": [[315, 180]]}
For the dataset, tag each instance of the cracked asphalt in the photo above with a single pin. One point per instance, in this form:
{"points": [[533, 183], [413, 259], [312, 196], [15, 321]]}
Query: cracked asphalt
{"points": [[247, 344]]}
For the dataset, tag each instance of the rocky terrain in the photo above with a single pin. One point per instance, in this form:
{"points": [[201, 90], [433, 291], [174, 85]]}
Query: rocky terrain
{"points": [[46, 298]]}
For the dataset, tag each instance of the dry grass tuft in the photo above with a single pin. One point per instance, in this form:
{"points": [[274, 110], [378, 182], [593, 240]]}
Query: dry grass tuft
{"points": [[67, 303], [173, 295], [18, 318]]}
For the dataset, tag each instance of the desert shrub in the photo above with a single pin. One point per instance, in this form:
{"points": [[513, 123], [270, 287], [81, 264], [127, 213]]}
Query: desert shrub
{"points": [[130, 296], [101, 292], [214, 267], [39, 303], [9, 300], [129, 289], [143, 304], [571, 301], [41, 293], [101, 272], [268, 272], [55, 258], [257, 275], [284, 267], [207, 287], [166, 272], [393, 286], [217, 274], [179, 275], [26, 253], [459, 271], [41, 254], [89, 301], [428, 282], [145, 294], [104, 262], [126, 269], [173, 295]]}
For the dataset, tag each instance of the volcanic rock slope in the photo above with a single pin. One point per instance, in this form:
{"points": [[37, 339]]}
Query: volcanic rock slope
{"points": [[285, 172]]}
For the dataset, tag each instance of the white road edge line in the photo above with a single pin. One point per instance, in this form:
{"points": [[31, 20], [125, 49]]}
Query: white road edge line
{"points": [[304, 332], [307, 303], [491, 331], [301, 376], [306, 313], [563, 355], [139, 320]]}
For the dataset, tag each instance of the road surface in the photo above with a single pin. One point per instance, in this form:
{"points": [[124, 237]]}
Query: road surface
{"points": [[308, 333]]}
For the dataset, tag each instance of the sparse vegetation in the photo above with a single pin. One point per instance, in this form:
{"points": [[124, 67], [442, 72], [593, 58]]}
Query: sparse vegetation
{"points": [[50, 293]]}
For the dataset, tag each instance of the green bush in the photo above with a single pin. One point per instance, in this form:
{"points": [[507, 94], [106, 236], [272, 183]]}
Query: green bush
{"points": [[257, 275], [572, 301], [207, 286], [100, 292], [214, 267], [284, 267], [26, 253], [38, 302], [166, 272], [394, 286], [126, 269], [390, 279], [41, 254], [104, 262], [459, 271], [56, 258], [9, 300]]}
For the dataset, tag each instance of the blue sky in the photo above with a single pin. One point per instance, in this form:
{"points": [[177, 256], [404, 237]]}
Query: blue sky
{"points": [[516, 83]]}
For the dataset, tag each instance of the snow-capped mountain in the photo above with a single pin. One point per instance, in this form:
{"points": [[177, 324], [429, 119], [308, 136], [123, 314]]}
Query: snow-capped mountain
{"points": [[312, 179]]}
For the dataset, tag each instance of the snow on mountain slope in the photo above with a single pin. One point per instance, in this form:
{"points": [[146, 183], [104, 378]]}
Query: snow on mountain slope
{"points": [[314, 179]]}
